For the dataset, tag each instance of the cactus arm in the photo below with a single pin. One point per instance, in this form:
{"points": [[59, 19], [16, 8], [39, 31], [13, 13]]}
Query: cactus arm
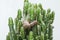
{"points": [[22, 33], [11, 27], [31, 36], [25, 8], [19, 15], [42, 36], [16, 22]]}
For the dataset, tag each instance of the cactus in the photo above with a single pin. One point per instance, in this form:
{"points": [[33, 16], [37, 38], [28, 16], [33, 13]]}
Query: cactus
{"points": [[31, 36], [34, 23]]}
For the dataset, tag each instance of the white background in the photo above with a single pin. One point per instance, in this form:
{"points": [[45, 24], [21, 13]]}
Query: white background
{"points": [[9, 8]]}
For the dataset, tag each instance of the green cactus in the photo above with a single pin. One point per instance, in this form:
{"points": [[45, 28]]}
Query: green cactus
{"points": [[11, 27], [19, 16], [42, 36], [31, 36], [34, 23], [22, 33]]}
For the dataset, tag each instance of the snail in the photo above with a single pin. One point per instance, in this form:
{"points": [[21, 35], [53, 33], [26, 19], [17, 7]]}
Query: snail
{"points": [[28, 25]]}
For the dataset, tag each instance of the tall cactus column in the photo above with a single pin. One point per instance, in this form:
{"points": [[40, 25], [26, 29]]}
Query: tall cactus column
{"points": [[34, 23], [11, 27]]}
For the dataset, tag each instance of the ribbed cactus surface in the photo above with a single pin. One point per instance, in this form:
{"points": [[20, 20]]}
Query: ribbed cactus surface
{"points": [[34, 23]]}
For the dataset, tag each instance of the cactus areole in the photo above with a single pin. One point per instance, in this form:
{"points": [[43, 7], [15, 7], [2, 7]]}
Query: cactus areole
{"points": [[34, 23]]}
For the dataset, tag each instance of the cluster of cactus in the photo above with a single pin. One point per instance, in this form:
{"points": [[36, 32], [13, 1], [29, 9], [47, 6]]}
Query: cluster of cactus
{"points": [[35, 23]]}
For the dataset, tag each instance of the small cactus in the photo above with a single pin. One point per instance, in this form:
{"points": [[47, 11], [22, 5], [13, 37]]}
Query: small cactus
{"points": [[34, 23]]}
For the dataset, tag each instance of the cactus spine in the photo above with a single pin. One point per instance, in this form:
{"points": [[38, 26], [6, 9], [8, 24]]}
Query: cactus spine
{"points": [[34, 23]]}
